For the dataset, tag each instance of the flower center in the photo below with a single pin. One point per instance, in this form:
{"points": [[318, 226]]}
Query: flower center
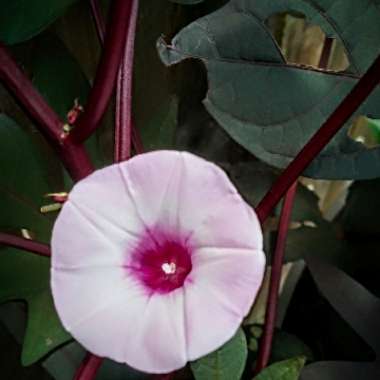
{"points": [[169, 268], [161, 266]]}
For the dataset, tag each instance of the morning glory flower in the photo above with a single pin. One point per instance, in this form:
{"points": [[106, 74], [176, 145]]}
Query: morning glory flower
{"points": [[155, 261]]}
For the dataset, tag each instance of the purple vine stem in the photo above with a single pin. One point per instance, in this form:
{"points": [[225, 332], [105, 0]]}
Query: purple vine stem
{"points": [[275, 278], [123, 123], [320, 139], [78, 164], [25, 244], [123, 116], [73, 156], [88, 368], [278, 255], [105, 77]]}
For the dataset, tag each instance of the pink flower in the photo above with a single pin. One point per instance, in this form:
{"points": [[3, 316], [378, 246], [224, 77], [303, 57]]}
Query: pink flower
{"points": [[155, 261]]}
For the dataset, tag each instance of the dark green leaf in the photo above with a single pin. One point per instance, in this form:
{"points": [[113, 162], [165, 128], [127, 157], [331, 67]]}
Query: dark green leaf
{"points": [[10, 361], [60, 79], [374, 126], [155, 106], [285, 370], [227, 363], [249, 81], [286, 346], [21, 20], [23, 184], [158, 133], [57, 75]]}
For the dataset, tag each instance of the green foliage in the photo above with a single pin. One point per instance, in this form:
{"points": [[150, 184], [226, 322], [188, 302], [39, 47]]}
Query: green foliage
{"points": [[23, 184], [249, 81], [21, 20], [24, 181], [254, 179], [9, 361], [286, 346], [155, 104], [61, 81], [56, 74], [284, 370], [374, 125], [227, 363]]}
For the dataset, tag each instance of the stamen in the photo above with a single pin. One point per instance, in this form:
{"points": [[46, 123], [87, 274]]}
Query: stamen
{"points": [[169, 268]]}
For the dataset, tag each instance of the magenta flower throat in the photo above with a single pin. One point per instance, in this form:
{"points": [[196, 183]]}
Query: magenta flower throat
{"points": [[160, 262], [155, 261]]}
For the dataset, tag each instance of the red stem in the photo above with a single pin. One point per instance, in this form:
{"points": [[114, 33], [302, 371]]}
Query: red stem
{"points": [[25, 244], [99, 20], [88, 368], [275, 279], [73, 156], [321, 138], [123, 117], [105, 78], [28, 96]]}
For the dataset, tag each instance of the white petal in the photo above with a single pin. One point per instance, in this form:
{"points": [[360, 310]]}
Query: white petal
{"points": [[153, 180], [82, 240], [160, 334], [218, 294]]}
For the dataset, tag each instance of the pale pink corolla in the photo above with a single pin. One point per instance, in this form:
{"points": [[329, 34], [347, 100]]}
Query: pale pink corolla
{"points": [[155, 261]]}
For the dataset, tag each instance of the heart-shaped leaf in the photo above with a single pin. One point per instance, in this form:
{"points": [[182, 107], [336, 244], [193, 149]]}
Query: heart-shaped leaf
{"points": [[269, 107], [23, 276], [21, 20], [9, 361], [284, 370], [48, 57], [226, 363], [155, 105]]}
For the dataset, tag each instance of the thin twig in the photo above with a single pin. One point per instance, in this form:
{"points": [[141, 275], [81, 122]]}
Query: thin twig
{"points": [[24, 244], [278, 256], [275, 278], [320, 139], [73, 156], [123, 116], [105, 78], [88, 368]]}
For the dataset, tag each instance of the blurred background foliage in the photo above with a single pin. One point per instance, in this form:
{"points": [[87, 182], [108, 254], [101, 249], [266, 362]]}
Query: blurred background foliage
{"points": [[335, 220]]}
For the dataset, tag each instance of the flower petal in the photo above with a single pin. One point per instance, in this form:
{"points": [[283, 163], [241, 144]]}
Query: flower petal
{"points": [[161, 335], [153, 180], [218, 294], [99, 307], [97, 225], [213, 209]]}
